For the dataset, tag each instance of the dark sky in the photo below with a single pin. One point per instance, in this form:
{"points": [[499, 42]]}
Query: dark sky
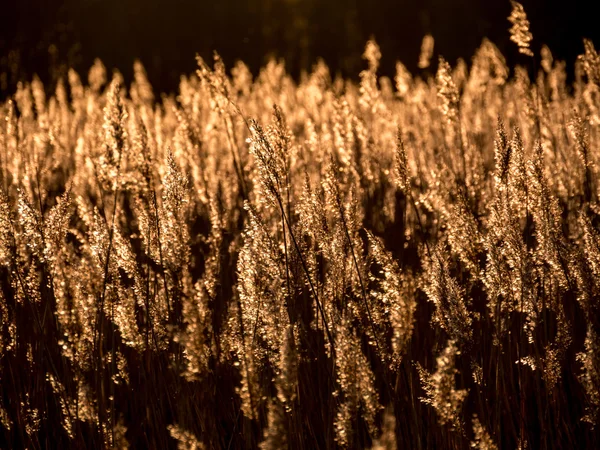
{"points": [[46, 36]]}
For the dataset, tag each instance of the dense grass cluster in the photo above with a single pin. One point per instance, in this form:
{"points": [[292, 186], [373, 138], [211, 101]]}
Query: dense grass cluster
{"points": [[271, 264]]}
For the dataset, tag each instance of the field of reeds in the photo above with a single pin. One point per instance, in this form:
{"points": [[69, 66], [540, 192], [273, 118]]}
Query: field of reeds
{"points": [[314, 264]]}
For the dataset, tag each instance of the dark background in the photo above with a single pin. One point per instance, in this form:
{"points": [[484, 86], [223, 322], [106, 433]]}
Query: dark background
{"points": [[47, 36]]}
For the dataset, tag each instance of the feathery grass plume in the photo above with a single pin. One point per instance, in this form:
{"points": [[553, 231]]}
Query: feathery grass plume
{"points": [[546, 214], [312, 215], [591, 61], [281, 409], [271, 150], [272, 167], [557, 80], [8, 328], [197, 311], [24, 101], [115, 138], [331, 274], [32, 226], [517, 181], [449, 106], [81, 337], [426, 51], [6, 230], [31, 417], [77, 90], [188, 143], [447, 92], [130, 292], [460, 74], [141, 90], [282, 138], [241, 78], [502, 155], [372, 55], [341, 199], [186, 440], [345, 140], [586, 267], [482, 440], [578, 129], [56, 226], [488, 69], [261, 289], [579, 132], [403, 80], [394, 304], [142, 159], [357, 394], [519, 31], [387, 440], [97, 237], [97, 76], [115, 435], [67, 405], [58, 258], [314, 226], [222, 101], [369, 92], [217, 82], [150, 216], [464, 236], [509, 267], [39, 100], [173, 229], [345, 212], [440, 388], [5, 419], [507, 276], [451, 307], [590, 378], [555, 352], [591, 244], [401, 168], [317, 89], [547, 59], [10, 135]]}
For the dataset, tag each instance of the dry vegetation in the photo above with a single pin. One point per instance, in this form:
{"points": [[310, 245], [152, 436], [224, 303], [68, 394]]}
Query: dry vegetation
{"points": [[411, 264]]}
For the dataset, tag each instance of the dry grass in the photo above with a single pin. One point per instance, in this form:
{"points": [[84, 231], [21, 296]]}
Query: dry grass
{"points": [[357, 266]]}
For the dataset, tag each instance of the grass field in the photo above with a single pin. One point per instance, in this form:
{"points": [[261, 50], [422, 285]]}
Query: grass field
{"points": [[314, 264]]}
